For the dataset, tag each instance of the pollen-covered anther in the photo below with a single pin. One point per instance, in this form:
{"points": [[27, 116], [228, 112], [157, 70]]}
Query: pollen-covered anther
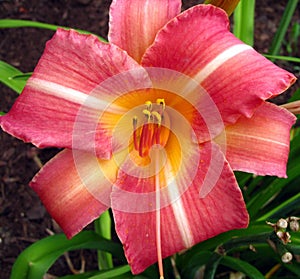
{"points": [[152, 131]]}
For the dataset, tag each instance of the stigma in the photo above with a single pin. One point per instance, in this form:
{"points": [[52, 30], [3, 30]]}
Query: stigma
{"points": [[153, 129]]}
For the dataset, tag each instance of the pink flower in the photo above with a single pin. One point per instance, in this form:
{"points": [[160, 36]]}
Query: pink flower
{"points": [[153, 125]]}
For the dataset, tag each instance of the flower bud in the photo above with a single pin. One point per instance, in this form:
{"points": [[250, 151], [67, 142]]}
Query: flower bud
{"points": [[282, 224], [285, 237], [286, 257], [294, 223]]}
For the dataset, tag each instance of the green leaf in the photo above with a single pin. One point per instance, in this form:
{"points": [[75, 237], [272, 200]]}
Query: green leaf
{"points": [[17, 23], [283, 26], [212, 265], [242, 266], [284, 206], [23, 77], [2, 113], [244, 21], [34, 261], [284, 58], [191, 262], [296, 95], [113, 273], [253, 229], [268, 192], [7, 74], [103, 228], [117, 272]]}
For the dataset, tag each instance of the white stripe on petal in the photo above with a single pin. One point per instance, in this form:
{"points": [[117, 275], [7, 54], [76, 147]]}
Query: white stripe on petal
{"points": [[258, 138], [180, 215], [70, 94], [219, 60]]}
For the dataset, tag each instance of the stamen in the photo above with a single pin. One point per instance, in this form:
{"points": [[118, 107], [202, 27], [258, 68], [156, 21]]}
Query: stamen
{"points": [[147, 113], [151, 132], [161, 102], [145, 134], [148, 105], [157, 116], [135, 139]]}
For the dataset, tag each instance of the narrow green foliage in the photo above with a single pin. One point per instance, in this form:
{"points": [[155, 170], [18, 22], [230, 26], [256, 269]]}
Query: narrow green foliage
{"points": [[17, 23], [34, 261], [244, 21], [7, 76], [285, 207], [242, 266], [212, 265], [103, 228], [283, 58], [115, 273], [283, 26], [292, 45]]}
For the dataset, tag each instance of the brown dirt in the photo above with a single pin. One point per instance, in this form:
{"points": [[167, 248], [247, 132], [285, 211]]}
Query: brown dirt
{"points": [[23, 219]]}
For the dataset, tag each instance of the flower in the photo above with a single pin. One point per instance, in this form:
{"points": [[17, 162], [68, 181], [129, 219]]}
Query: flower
{"points": [[153, 124]]}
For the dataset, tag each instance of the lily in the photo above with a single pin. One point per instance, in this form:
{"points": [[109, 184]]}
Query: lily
{"points": [[153, 124]]}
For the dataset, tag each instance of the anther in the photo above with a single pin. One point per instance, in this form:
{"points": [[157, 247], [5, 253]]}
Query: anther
{"points": [[134, 122], [161, 102], [135, 138], [157, 116], [148, 105], [147, 113]]}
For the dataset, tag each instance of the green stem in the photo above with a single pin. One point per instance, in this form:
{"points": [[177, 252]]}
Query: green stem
{"points": [[284, 23], [284, 58], [103, 228], [17, 23], [279, 208], [244, 21]]}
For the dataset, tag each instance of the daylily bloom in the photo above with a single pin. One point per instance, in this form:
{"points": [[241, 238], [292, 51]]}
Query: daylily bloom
{"points": [[153, 124]]}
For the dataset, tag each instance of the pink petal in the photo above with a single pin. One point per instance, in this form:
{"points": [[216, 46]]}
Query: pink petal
{"points": [[198, 43], [187, 220], [260, 144], [74, 189], [65, 90], [133, 24]]}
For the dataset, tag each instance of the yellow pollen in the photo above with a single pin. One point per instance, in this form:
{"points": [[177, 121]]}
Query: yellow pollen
{"points": [[148, 105], [161, 102], [147, 113], [151, 131], [157, 116]]}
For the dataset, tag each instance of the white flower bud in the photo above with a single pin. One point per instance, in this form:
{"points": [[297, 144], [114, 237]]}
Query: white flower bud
{"points": [[286, 257], [282, 224], [294, 223]]}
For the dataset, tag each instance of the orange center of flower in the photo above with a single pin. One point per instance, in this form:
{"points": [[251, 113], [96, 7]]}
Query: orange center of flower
{"points": [[154, 130]]}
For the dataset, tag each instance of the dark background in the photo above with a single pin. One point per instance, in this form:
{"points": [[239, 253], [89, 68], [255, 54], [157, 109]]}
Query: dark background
{"points": [[23, 219]]}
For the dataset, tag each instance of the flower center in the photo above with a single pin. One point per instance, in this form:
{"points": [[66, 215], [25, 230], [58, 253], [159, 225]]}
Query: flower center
{"points": [[154, 129]]}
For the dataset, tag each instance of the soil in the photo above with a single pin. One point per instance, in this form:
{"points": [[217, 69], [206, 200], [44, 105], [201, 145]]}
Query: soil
{"points": [[23, 220]]}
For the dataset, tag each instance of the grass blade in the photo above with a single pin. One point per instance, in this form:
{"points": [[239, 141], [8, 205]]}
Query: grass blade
{"points": [[103, 228], [283, 26], [34, 261], [284, 58], [244, 21], [17, 23], [7, 74], [239, 265]]}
